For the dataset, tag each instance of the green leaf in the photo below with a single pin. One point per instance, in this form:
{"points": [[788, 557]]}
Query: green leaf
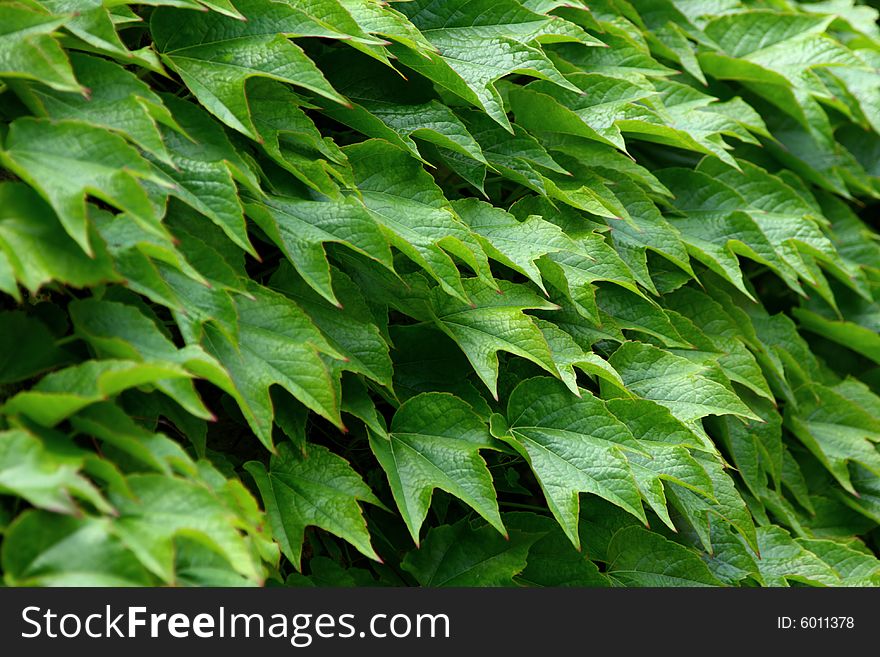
{"points": [[348, 326], [31, 471], [434, 442], [854, 566], [27, 348], [482, 41], [29, 49], [278, 344], [459, 555], [65, 161], [116, 330], [415, 216], [302, 227], [689, 390], [716, 230], [414, 113], [836, 429], [61, 394], [553, 560], [110, 424], [568, 355], [118, 100], [515, 244], [782, 560], [573, 445], [493, 322], [292, 140], [164, 508], [35, 250], [317, 488], [45, 549], [637, 557], [215, 55], [205, 167]]}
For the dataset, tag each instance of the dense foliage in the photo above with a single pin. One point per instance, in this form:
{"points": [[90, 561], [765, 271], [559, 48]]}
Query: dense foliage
{"points": [[439, 292]]}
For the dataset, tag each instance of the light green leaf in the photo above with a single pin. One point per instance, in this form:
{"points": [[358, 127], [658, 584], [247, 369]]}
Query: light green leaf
{"points": [[302, 227], [215, 55], [116, 330], [118, 100], [31, 471], [318, 489], [45, 549], [480, 41], [573, 445], [65, 161], [640, 558], [493, 322], [689, 390], [278, 344], [165, 508], [34, 249], [415, 216], [61, 394], [434, 442], [29, 49]]}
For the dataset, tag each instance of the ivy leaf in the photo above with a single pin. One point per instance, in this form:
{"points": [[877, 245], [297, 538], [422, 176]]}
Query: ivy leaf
{"points": [[293, 141], [553, 560], [788, 221], [277, 343], [302, 227], [648, 231], [414, 114], [439, 369], [836, 429], [855, 567], [635, 312], [415, 216], [459, 555], [573, 445], [29, 50], [725, 507], [594, 115], [92, 23], [689, 390], [317, 488], [111, 425], [163, 508], [215, 55], [348, 326], [44, 549], [27, 347], [513, 243], [434, 442], [118, 101], [637, 557], [783, 560], [67, 160], [34, 249], [568, 355], [205, 167], [482, 41], [61, 394], [116, 330], [717, 231], [493, 322], [518, 156], [30, 471]]}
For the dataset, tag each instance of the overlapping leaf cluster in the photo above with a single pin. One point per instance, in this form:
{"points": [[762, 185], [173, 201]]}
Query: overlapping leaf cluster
{"points": [[439, 292]]}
